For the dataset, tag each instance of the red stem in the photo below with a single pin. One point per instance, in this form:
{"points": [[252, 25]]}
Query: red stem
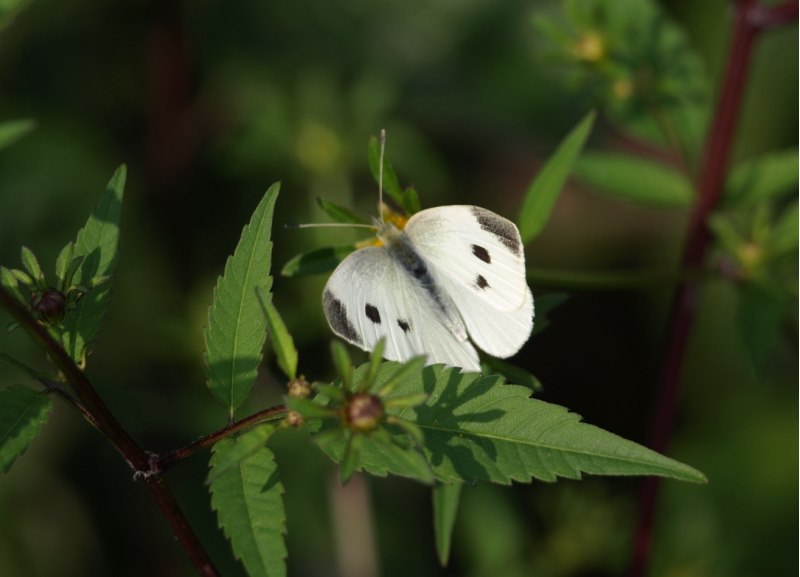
{"points": [[750, 19], [104, 420]]}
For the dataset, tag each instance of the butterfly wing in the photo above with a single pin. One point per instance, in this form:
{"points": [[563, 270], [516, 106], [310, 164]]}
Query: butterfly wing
{"points": [[477, 258], [370, 296]]}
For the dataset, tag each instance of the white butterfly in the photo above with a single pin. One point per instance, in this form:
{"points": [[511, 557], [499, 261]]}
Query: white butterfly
{"points": [[454, 274]]}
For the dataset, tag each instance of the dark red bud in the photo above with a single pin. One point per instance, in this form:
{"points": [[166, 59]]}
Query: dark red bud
{"points": [[50, 306]]}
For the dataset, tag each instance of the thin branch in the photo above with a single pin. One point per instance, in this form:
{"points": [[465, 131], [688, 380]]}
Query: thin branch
{"points": [[750, 19], [167, 461], [104, 420]]}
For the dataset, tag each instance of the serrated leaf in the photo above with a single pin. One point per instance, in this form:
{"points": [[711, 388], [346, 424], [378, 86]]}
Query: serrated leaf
{"points": [[245, 445], [248, 499], [23, 414], [764, 177], [446, 497], [96, 244], [479, 429], [513, 374], [340, 213], [634, 179], [282, 341], [391, 184], [12, 130], [317, 261], [237, 328], [544, 190], [381, 459]]}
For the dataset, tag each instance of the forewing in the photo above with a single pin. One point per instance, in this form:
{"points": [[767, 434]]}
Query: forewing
{"points": [[477, 258], [369, 296]]}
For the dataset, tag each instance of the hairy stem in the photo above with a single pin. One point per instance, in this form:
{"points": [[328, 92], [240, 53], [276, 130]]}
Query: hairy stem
{"points": [[96, 411], [750, 19]]}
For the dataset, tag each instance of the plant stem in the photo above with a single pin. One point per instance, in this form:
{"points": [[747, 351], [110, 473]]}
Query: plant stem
{"points": [[271, 414], [104, 420], [750, 19]]}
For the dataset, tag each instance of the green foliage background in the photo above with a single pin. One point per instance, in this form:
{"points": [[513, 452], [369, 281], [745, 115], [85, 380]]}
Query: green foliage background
{"points": [[208, 103]]}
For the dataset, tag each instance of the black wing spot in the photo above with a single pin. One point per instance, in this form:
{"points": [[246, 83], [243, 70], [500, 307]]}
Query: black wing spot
{"points": [[336, 313], [481, 282], [481, 253], [505, 230], [373, 314], [404, 325]]}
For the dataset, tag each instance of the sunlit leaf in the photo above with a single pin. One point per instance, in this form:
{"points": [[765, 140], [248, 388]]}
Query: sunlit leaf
{"points": [[764, 177], [446, 497], [236, 328], [478, 429], [546, 186], [96, 244], [248, 499], [634, 179], [282, 341]]}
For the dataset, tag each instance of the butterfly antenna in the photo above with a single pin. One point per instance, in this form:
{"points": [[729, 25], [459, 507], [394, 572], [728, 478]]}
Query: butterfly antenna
{"points": [[331, 225], [380, 174]]}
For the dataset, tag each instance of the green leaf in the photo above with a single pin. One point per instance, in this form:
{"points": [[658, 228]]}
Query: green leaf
{"points": [[380, 458], [245, 445], [760, 312], [765, 177], [343, 364], [446, 497], [634, 179], [31, 264], [411, 200], [478, 429], [248, 499], [96, 244], [341, 213], [63, 264], [23, 413], [12, 130], [317, 261], [237, 328], [10, 282], [282, 341], [725, 232], [349, 461], [391, 184], [545, 188], [513, 374], [783, 236]]}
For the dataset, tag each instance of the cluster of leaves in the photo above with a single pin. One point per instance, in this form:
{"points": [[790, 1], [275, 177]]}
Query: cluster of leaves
{"points": [[651, 86]]}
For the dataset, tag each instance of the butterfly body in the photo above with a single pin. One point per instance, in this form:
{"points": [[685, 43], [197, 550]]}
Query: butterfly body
{"points": [[454, 273]]}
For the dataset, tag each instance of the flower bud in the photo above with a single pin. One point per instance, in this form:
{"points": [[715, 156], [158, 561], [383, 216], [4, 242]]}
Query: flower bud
{"points": [[299, 388], [50, 306], [364, 412]]}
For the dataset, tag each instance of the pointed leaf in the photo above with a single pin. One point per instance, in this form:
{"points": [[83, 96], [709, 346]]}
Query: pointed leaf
{"points": [[545, 188], [634, 179], [236, 328], [96, 244], [341, 213], [31, 264], [282, 341], [317, 261], [248, 499], [13, 130], [763, 177], [343, 363], [446, 497], [479, 429], [11, 283], [23, 414], [62, 264]]}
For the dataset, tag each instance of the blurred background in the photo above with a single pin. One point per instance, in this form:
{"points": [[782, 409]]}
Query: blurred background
{"points": [[210, 102]]}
